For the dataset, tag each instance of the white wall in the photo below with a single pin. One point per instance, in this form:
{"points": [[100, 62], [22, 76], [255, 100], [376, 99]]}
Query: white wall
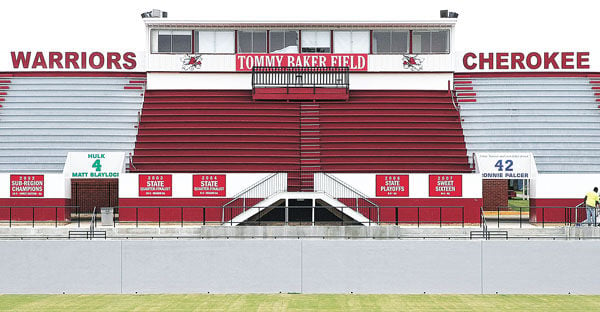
{"points": [[55, 186], [227, 63], [182, 184], [418, 184], [564, 185], [243, 81]]}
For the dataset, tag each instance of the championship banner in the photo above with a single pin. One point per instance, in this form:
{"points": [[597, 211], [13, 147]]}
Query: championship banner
{"points": [[210, 185], [391, 185], [445, 185], [156, 185], [24, 185], [355, 62]]}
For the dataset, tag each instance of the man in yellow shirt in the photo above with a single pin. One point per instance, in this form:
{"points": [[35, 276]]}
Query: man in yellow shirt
{"points": [[591, 200]]}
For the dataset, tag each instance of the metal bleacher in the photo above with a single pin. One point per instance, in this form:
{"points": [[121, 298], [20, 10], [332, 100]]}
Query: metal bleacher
{"points": [[44, 117], [554, 117]]}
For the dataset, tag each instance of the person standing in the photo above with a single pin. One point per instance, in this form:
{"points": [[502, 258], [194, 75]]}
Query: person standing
{"points": [[591, 200]]}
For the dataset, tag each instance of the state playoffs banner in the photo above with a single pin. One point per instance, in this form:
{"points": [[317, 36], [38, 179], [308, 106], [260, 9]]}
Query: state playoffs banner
{"points": [[505, 165], [356, 62]]}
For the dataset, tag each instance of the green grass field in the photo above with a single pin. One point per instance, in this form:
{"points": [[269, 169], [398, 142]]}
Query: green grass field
{"points": [[291, 302]]}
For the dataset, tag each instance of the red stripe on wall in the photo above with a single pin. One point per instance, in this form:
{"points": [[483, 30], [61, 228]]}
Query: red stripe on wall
{"points": [[524, 74], [467, 100], [4, 81], [466, 94], [4, 87], [132, 88], [137, 81], [594, 81], [463, 82], [76, 74], [463, 88], [595, 88]]}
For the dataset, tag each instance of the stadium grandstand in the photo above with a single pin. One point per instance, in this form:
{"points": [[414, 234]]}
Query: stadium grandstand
{"points": [[298, 156]]}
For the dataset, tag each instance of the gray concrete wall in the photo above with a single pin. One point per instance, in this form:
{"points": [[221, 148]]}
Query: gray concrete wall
{"points": [[306, 266]]}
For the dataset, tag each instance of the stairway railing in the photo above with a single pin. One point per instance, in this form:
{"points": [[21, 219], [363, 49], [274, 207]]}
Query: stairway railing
{"points": [[346, 194], [266, 187]]}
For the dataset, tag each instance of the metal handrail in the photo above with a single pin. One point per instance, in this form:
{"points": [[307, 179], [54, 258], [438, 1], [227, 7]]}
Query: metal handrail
{"points": [[300, 76], [357, 194], [93, 220], [243, 194]]}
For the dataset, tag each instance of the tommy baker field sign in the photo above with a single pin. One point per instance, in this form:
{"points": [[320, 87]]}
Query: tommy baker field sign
{"points": [[94, 165]]}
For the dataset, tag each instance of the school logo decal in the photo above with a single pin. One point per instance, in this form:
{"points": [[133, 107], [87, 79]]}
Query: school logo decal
{"points": [[412, 62], [191, 62]]}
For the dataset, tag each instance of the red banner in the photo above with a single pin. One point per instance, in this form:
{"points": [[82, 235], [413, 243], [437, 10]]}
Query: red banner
{"points": [[356, 62], [445, 185], [209, 185], [391, 185], [24, 185], [156, 185]]}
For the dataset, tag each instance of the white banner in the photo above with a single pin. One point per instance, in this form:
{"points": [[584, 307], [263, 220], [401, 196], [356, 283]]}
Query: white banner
{"points": [[505, 165], [94, 165]]}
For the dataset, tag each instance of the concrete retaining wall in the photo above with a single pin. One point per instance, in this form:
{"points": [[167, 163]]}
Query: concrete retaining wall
{"points": [[305, 266]]}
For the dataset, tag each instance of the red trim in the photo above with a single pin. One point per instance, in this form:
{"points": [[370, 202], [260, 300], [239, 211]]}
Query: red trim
{"points": [[467, 100], [331, 41], [524, 74], [4, 81], [595, 81], [463, 82], [4, 87], [463, 88], [466, 94], [410, 43], [597, 100], [371, 41], [193, 42], [132, 88], [79, 74], [3, 93], [1, 100], [5, 75], [235, 41], [595, 88], [269, 41], [137, 81], [597, 94]]}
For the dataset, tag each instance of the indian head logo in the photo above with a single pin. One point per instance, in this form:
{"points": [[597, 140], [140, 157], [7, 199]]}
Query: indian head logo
{"points": [[191, 62], [412, 62]]}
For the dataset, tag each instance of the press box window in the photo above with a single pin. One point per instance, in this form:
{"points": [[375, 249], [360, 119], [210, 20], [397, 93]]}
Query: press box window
{"points": [[351, 41], [390, 42], [316, 41], [433, 41], [215, 42], [171, 41], [252, 41], [283, 41]]}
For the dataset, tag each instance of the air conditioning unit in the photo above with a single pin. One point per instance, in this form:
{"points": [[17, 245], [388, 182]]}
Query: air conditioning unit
{"points": [[154, 14]]}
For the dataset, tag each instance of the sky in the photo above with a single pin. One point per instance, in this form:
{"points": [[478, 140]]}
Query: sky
{"points": [[517, 25]]}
